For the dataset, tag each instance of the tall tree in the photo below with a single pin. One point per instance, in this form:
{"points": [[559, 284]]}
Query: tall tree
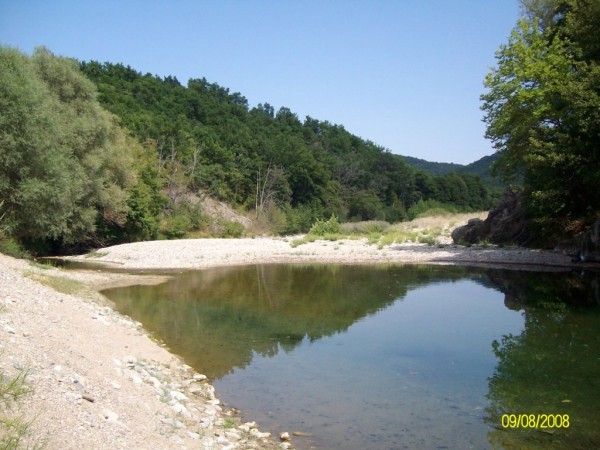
{"points": [[65, 164], [542, 111]]}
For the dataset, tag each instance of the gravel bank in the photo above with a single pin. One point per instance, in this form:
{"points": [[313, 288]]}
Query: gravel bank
{"points": [[99, 381], [202, 253]]}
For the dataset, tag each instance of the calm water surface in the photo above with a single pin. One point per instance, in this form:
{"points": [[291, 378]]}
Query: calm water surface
{"points": [[388, 357]]}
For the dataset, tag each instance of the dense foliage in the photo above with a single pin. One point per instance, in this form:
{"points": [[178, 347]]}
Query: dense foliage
{"points": [[269, 160], [543, 112], [68, 172], [93, 154]]}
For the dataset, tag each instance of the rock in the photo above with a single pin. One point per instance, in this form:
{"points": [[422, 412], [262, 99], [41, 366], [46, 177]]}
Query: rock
{"points": [[193, 435], [257, 434], [110, 416], [233, 436], [136, 379], [180, 397], [590, 245], [302, 433], [471, 233], [507, 224], [285, 436], [199, 377]]}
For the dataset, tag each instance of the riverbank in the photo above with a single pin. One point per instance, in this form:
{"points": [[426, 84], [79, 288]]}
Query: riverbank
{"points": [[204, 253], [96, 378], [100, 381]]}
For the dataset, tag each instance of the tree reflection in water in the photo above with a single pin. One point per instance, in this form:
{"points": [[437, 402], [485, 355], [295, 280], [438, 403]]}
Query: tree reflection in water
{"points": [[553, 366], [219, 319]]}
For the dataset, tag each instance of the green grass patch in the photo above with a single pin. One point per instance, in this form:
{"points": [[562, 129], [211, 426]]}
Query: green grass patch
{"points": [[63, 285]]}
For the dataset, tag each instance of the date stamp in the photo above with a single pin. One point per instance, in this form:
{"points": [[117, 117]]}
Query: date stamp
{"points": [[535, 421]]}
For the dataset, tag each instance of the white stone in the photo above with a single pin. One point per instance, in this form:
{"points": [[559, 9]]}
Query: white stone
{"points": [[179, 408], [254, 432], [179, 396], [199, 377], [193, 435], [233, 436], [110, 416]]}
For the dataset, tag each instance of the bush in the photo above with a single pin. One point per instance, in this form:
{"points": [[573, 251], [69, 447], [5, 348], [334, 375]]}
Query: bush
{"points": [[322, 227], [367, 227], [11, 247], [231, 229]]}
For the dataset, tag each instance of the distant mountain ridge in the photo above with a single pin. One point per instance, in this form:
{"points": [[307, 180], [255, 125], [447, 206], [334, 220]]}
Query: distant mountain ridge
{"points": [[481, 168]]}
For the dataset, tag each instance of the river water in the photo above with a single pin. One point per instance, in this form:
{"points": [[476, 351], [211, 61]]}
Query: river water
{"points": [[389, 356]]}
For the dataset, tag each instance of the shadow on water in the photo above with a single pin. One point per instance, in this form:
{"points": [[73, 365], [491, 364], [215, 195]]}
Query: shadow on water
{"points": [[221, 320]]}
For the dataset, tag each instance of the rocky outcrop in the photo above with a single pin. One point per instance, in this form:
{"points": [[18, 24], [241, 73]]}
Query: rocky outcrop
{"points": [[471, 233], [506, 224], [590, 245]]}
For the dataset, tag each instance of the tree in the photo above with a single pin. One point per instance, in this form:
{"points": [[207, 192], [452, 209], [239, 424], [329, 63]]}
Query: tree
{"points": [[65, 164], [542, 112]]}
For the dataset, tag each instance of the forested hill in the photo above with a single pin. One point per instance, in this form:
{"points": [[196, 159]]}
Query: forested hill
{"points": [[227, 147], [434, 168], [481, 168], [93, 154]]}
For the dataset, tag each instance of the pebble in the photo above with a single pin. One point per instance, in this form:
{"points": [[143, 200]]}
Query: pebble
{"points": [[188, 409]]}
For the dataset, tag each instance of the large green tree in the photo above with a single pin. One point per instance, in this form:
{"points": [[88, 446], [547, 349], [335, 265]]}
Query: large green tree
{"points": [[542, 111], [66, 167]]}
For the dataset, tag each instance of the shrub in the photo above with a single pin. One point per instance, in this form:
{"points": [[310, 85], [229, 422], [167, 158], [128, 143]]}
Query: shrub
{"points": [[322, 227]]}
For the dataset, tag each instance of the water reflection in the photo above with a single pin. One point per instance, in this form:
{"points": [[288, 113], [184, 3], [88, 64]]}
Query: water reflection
{"points": [[219, 318], [553, 365], [390, 356]]}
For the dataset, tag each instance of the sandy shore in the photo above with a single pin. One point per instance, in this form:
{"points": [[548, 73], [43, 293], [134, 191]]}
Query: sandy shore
{"points": [[101, 382]]}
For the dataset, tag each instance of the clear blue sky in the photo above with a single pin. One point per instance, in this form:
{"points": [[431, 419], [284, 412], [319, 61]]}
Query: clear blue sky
{"points": [[406, 74]]}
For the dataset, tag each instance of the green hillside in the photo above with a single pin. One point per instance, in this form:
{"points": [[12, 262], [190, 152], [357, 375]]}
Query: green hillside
{"points": [[98, 153]]}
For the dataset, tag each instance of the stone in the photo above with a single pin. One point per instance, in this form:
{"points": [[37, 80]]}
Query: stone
{"points": [[109, 415], [471, 233], [507, 223], [180, 397], [199, 377], [590, 245], [285, 436], [259, 435], [233, 436]]}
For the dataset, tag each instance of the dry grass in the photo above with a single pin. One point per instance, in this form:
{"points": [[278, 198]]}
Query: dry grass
{"points": [[445, 222], [431, 230]]}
